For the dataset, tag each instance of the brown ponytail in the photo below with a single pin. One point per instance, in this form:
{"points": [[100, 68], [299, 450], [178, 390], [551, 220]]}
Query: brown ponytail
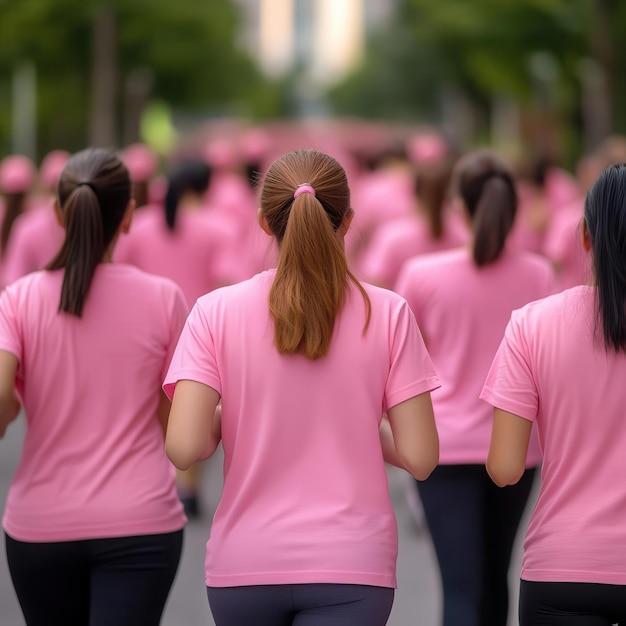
{"points": [[488, 191], [312, 275], [94, 192]]}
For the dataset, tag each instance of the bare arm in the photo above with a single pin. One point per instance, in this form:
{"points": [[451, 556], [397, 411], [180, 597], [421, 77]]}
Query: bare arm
{"points": [[194, 425], [510, 434], [9, 403], [414, 437]]}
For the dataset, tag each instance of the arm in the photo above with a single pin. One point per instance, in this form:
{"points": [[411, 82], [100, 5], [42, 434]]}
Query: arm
{"points": [[510, 434], [193, 429], [414, 436], [9, 403]]}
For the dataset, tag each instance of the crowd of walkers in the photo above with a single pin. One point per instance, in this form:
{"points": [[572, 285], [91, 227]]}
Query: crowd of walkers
{"points": [[318, 307]]}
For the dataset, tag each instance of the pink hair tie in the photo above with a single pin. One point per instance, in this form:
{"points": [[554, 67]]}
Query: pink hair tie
{"points": [[303, 188]]}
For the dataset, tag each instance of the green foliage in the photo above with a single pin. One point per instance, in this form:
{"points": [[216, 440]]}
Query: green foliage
{"points": [[524, 50], [187, 47]]}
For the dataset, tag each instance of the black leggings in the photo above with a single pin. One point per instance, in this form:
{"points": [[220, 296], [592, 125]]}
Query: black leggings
{"points": [[301, 605], [473, 525], [571, 604], [122, 581]]}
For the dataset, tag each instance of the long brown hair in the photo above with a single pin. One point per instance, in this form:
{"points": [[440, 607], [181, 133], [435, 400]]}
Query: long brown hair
{"points": [[93, 195], [312, 275], [487, 188]]}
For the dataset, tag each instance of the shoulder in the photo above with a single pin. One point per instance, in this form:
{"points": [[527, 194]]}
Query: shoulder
{"points": [[432, 265], [535, 261], [242, 294], [384, 302], [31, 282], [144, 282], [542, 313]]}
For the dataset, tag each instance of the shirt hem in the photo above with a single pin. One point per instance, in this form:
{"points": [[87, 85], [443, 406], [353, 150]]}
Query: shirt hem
{"points": [[295, 578], [47, 535], [568, 576], [506, 404], [414, 389]]}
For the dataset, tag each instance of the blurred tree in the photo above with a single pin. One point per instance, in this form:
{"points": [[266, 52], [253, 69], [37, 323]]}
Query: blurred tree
{"points": [[528, 51], [94, 58]]}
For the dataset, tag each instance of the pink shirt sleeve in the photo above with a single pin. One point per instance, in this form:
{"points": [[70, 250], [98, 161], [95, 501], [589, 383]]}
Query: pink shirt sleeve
{"points": [[194, 357], [510, 384], [408, 355]]}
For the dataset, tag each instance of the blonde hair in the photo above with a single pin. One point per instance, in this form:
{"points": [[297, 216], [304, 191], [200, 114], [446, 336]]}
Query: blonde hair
{"points": [[312, 276]]}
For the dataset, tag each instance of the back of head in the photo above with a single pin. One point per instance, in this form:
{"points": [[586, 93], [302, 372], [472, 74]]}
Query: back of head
{"points": [[305, 201], [431, 188], [605, 219], [93, 195], [189, 176], [486, 186]]}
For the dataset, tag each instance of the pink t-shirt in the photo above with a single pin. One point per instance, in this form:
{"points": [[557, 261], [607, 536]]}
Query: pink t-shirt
{"points": [[36, 237], [403, 238], [93, 463], [552, 369], [462, 311], [195, 255], [563, 246], [377, 197], [305, 496]]}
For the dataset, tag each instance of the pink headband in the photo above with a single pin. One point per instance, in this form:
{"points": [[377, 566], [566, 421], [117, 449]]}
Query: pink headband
{"points": [[303, 188]]}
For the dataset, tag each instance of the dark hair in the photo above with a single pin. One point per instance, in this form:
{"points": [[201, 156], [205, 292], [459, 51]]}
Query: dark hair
{"points": [[605, 218], [14, 204], [140, 193], [312, 275], [190, 175], [487, 188], [93, 195], [252, 173], [431, 184]]}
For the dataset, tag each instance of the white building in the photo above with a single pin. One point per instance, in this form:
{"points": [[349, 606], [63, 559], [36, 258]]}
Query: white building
{"points": [[321, 39]]}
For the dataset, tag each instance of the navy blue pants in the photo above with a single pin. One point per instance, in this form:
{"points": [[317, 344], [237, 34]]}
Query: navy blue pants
{"points": [[473, 524], [571, 604], [301, 605], [122, 581]]}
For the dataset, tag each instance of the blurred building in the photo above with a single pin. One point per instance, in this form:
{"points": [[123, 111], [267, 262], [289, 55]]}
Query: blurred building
{"points": [[321, 40]]}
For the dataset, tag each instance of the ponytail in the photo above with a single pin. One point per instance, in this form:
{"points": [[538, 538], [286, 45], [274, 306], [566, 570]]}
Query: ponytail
{"points": [[605, 219], [82, 250], [94, 192], [493, 219], [487, 189], [172, 198], [192, 175], [431, 188], [312, 275]]}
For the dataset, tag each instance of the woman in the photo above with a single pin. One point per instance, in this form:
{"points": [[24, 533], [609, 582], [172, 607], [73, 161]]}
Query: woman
{"points": [[305, 360], [562, 366], [431, 227], [92, 520], [462, 300], [17, 175]]}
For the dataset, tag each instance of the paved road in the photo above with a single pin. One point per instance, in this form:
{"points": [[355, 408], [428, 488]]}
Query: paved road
{"points": [[417, 600]]}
